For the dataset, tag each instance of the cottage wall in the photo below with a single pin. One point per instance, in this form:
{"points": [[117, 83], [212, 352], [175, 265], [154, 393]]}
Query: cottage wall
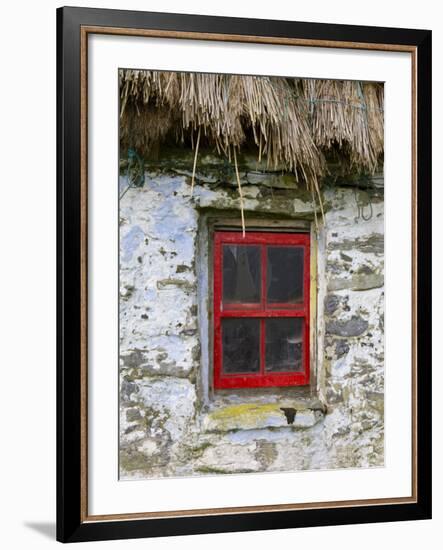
{"points": [[171, 422]]}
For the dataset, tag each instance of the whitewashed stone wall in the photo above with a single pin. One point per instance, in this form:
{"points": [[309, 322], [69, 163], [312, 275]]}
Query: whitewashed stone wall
{"points": [[170, 422]]}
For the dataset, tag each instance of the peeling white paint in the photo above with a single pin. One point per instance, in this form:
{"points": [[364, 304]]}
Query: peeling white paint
{"points": [[164, 328]]}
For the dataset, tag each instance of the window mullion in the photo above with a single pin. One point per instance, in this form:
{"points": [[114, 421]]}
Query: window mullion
{"points": [[263, 302], [262, 346], [263, 276]]}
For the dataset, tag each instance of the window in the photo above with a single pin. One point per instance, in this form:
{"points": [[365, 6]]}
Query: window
{"points": [[261, 309]]}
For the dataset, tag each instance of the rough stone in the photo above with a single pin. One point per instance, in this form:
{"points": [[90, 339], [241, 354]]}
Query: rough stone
{"points": [[133, 414], [374, 243], [332, 301], [341, 348], [355, 326], [265, 453], [127, 389], [171, 424], [250, 416]]}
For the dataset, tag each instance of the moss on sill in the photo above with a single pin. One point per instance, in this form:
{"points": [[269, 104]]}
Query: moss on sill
{"points": [[300, 414]]}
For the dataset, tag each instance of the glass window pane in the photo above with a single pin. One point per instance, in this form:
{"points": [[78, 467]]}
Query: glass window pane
{"points": [[241, 345], [284, 343], [285, 275], [241, 274]]}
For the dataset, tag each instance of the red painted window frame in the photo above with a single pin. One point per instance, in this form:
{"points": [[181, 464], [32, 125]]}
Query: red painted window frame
{"points": [[252, 380]]}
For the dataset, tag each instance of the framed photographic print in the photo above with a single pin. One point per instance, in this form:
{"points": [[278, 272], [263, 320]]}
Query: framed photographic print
{"points": [[244, 274]]}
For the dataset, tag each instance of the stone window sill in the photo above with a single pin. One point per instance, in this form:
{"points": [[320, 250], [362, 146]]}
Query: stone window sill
{"points": [[296, 414]]}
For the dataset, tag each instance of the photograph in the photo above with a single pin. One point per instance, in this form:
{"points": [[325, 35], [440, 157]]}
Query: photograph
{"points": [[251, 274]]}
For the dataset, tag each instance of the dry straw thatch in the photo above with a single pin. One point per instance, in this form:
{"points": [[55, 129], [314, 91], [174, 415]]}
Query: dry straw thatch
{"points": [[295, 124]]}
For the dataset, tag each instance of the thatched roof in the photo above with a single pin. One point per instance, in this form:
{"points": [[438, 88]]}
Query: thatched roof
{"points": [[293, 123]]}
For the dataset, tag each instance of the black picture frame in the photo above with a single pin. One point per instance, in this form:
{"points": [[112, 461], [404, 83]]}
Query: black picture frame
{"points": [[72, 526]]}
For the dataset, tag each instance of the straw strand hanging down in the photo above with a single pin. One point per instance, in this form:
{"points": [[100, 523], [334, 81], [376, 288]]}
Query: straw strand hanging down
{"points": [[195, 161], [240, 193]]}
